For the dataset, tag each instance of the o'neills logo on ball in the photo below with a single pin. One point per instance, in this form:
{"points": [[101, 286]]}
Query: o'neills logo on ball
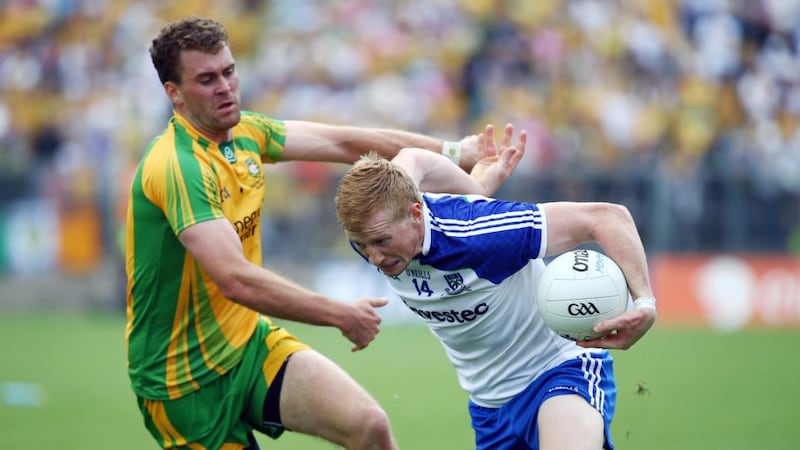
{"points": [[581, 260], [582, 309]]}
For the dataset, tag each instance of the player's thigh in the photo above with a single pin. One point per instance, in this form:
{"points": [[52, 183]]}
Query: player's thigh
{"points": [[318, 397], [568, 421]]}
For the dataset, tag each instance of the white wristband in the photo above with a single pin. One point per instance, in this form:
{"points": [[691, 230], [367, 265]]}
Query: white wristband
{"points": [[645, 302], [452, 150]]}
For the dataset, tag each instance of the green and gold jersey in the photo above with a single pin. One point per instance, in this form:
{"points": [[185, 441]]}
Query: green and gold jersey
{"points": [[182, 332]]}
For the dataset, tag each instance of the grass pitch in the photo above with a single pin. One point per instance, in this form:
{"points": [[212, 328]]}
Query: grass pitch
{"points": [[63, 386]]}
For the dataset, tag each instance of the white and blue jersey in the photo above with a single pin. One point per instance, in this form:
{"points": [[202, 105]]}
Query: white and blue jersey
{"points": [[474, 285]]}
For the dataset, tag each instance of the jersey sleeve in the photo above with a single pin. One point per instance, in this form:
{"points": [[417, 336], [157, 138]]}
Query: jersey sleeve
{"points": [[269, 133], [184, 187], [495, 237]]}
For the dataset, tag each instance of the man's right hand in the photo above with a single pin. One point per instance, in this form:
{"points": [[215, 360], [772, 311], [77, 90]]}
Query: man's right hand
{"points": [[363, 323], [495, 164]]}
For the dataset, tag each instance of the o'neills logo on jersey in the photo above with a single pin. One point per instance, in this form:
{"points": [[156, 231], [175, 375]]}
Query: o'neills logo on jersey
{"points": [[228, 153], [466, 315], [224, 194], [247, 225]]}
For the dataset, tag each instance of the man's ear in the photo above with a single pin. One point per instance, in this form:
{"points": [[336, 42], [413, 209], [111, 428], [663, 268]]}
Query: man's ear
{"points": [[415, 210], [173, 93]]}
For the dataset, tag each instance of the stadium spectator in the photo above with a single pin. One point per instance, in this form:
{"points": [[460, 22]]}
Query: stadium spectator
{"points": [[206, 363], [601, 86], [468, 265]]}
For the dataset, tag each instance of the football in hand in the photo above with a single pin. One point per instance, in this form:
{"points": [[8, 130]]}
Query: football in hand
{"points": [[577, 290]]}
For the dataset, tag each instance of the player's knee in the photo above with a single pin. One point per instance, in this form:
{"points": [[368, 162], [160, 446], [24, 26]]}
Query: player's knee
{"points": [[373, 430], [378, 422]]}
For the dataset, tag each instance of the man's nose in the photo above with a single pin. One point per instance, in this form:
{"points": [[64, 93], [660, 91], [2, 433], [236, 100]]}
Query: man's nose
{"points": [[375, 256], [224, 85]]}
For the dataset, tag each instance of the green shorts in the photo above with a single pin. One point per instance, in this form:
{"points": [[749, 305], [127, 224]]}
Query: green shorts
{"points": [[223, 414]]}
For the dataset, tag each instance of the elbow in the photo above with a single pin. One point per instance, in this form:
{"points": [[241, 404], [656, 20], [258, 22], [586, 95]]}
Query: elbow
{"points": [[601, 217], [232, 285], [409, 157], [614, 216], [620, 212], [231, 291]]}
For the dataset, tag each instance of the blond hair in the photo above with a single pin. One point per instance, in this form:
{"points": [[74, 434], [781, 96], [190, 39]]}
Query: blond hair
{"points": [[371, 184]]}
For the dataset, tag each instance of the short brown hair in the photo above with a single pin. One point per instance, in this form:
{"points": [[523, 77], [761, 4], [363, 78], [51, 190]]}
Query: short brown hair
{"points": [[371, 184], [190, 33]]}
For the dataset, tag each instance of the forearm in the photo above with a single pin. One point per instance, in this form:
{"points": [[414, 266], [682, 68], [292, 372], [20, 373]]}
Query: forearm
{"points": [[620, 240], [435, 173], [388, 142], [312, 141], [392, 141], [273, 295], [218, 250]]}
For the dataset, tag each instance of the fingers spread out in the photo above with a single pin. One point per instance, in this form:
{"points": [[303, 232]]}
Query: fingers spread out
{"points": [[509, 131], [481, 148], [512, 157], [489, 131], [487, 143], [490, 147], [523, 140]]}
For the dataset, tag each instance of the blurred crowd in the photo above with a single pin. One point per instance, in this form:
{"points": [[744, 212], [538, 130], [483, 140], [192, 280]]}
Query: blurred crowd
{"points": [[685, 91]]}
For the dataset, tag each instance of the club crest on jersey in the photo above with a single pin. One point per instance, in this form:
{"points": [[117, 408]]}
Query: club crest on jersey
{"points": [[256, 176], [253, 168], [455, 283], [228, 153]]}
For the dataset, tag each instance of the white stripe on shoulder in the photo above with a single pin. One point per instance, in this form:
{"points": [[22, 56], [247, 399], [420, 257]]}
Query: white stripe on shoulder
{"points": [[491, 218], [468, 197], [486, 230], [489, 224]]}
